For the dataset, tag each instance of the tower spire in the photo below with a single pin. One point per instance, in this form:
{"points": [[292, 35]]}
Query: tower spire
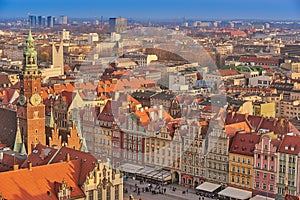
{"points": [[51, 123], [18, 139], [30, 54]]}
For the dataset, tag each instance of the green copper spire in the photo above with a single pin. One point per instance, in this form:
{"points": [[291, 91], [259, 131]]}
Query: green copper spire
{"points": [[18, 139], [30, 55], [51, 123]]}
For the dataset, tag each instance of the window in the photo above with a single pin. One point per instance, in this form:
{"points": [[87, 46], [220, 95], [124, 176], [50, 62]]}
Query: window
{"points": [[257, 184], [239, 159], [264, 186], [265, 175], [271, 187], [257, 174], [248, 171], [116, 192], [108, 193], [248, 182], [258, 156], [233, 158], [232, 179], [91, 194], [243, 181], [99, 193], [248, 161], [272, 177], [233, 169]]}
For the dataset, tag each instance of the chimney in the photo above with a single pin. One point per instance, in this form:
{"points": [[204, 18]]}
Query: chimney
{"points": [[68, 157], [29, 165], [15, 167], [43, 154]]}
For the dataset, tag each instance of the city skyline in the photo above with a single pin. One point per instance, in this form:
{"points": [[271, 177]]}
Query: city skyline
{"points": [[191, 9]]}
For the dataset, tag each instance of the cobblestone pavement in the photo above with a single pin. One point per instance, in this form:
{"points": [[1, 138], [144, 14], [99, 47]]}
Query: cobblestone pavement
{"points": [[181, 193]]}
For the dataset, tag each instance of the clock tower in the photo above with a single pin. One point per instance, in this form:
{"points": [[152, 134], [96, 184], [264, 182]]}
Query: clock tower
{"points": [[30, 109]]}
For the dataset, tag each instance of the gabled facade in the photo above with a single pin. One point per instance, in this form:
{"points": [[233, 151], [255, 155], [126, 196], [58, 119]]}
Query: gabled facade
{"points": [[265, 166], [241, 160], [288, 176]]}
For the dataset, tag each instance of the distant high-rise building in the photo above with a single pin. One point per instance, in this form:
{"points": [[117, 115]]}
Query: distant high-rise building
{"points": [[42, 21], [32, 20], [50, 21], [117, 25], [63, 19]]}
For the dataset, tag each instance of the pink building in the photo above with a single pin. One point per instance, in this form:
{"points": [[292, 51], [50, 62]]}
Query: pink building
{"points": [[265, 166]]}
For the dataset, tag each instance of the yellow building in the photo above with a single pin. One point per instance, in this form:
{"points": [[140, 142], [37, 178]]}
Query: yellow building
{"points": [[104, 183], [241, 158], [264, 109]]}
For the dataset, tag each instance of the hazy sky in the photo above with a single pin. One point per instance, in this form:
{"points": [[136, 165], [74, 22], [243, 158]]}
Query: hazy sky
{"points": [[154, 9]]}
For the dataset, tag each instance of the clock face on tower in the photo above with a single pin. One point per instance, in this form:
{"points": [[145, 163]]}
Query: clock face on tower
{"points": [[35, 99]]}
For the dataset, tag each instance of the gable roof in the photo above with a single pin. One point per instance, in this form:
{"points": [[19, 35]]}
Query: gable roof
{"points": [[290, 145], [244, 143], [38, 182], [52, 155]]}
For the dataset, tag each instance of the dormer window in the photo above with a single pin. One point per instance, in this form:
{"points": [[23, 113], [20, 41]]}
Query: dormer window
{"points": [[286, 148], [292, 148]]}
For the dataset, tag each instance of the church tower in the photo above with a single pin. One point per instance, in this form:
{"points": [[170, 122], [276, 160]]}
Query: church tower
{"points": [[31, 110]]}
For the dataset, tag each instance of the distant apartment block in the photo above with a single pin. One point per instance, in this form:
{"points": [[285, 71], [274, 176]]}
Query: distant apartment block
{"points": [[117, 25]]}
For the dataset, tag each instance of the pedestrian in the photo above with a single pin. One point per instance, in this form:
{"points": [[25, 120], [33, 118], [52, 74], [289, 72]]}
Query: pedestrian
{"points": [[165, 189]]}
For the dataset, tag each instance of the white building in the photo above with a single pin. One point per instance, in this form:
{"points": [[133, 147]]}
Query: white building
{"points": [[93, 37], [262, 80]]}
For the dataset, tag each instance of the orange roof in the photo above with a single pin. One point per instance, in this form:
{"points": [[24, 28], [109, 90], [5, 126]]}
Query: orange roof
{"points": [[40, 181], [52, 155], [228, 72]]}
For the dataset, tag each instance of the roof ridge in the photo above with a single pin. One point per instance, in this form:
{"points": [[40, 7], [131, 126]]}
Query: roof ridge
{"points": [[54, 155]]}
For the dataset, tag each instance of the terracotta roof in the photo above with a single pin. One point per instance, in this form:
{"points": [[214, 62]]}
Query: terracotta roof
{"points": [[290, 145], [278, 126], [228, 72], [40, 181], [268, 60], [244, 143], [53, 155], [106, 114], [291, 197]]}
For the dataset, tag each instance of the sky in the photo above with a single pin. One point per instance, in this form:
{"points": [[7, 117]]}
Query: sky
{"points": [[156, 9]]}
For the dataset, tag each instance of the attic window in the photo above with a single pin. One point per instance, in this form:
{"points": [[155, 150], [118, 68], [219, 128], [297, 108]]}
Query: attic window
{"points": [[286, 148], [292, 148]]}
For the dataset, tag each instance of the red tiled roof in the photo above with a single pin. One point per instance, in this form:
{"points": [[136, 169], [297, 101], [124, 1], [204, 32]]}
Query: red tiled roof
{"points": [[228, 72], [291, 197], [106, 114], [268, 60], [59, 155], [278, 126], [244, 143], [40, 181], [290, 145]]}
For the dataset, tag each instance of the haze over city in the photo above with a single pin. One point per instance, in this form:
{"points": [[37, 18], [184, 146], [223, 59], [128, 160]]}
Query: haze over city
{"points": [[157, 9]]}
